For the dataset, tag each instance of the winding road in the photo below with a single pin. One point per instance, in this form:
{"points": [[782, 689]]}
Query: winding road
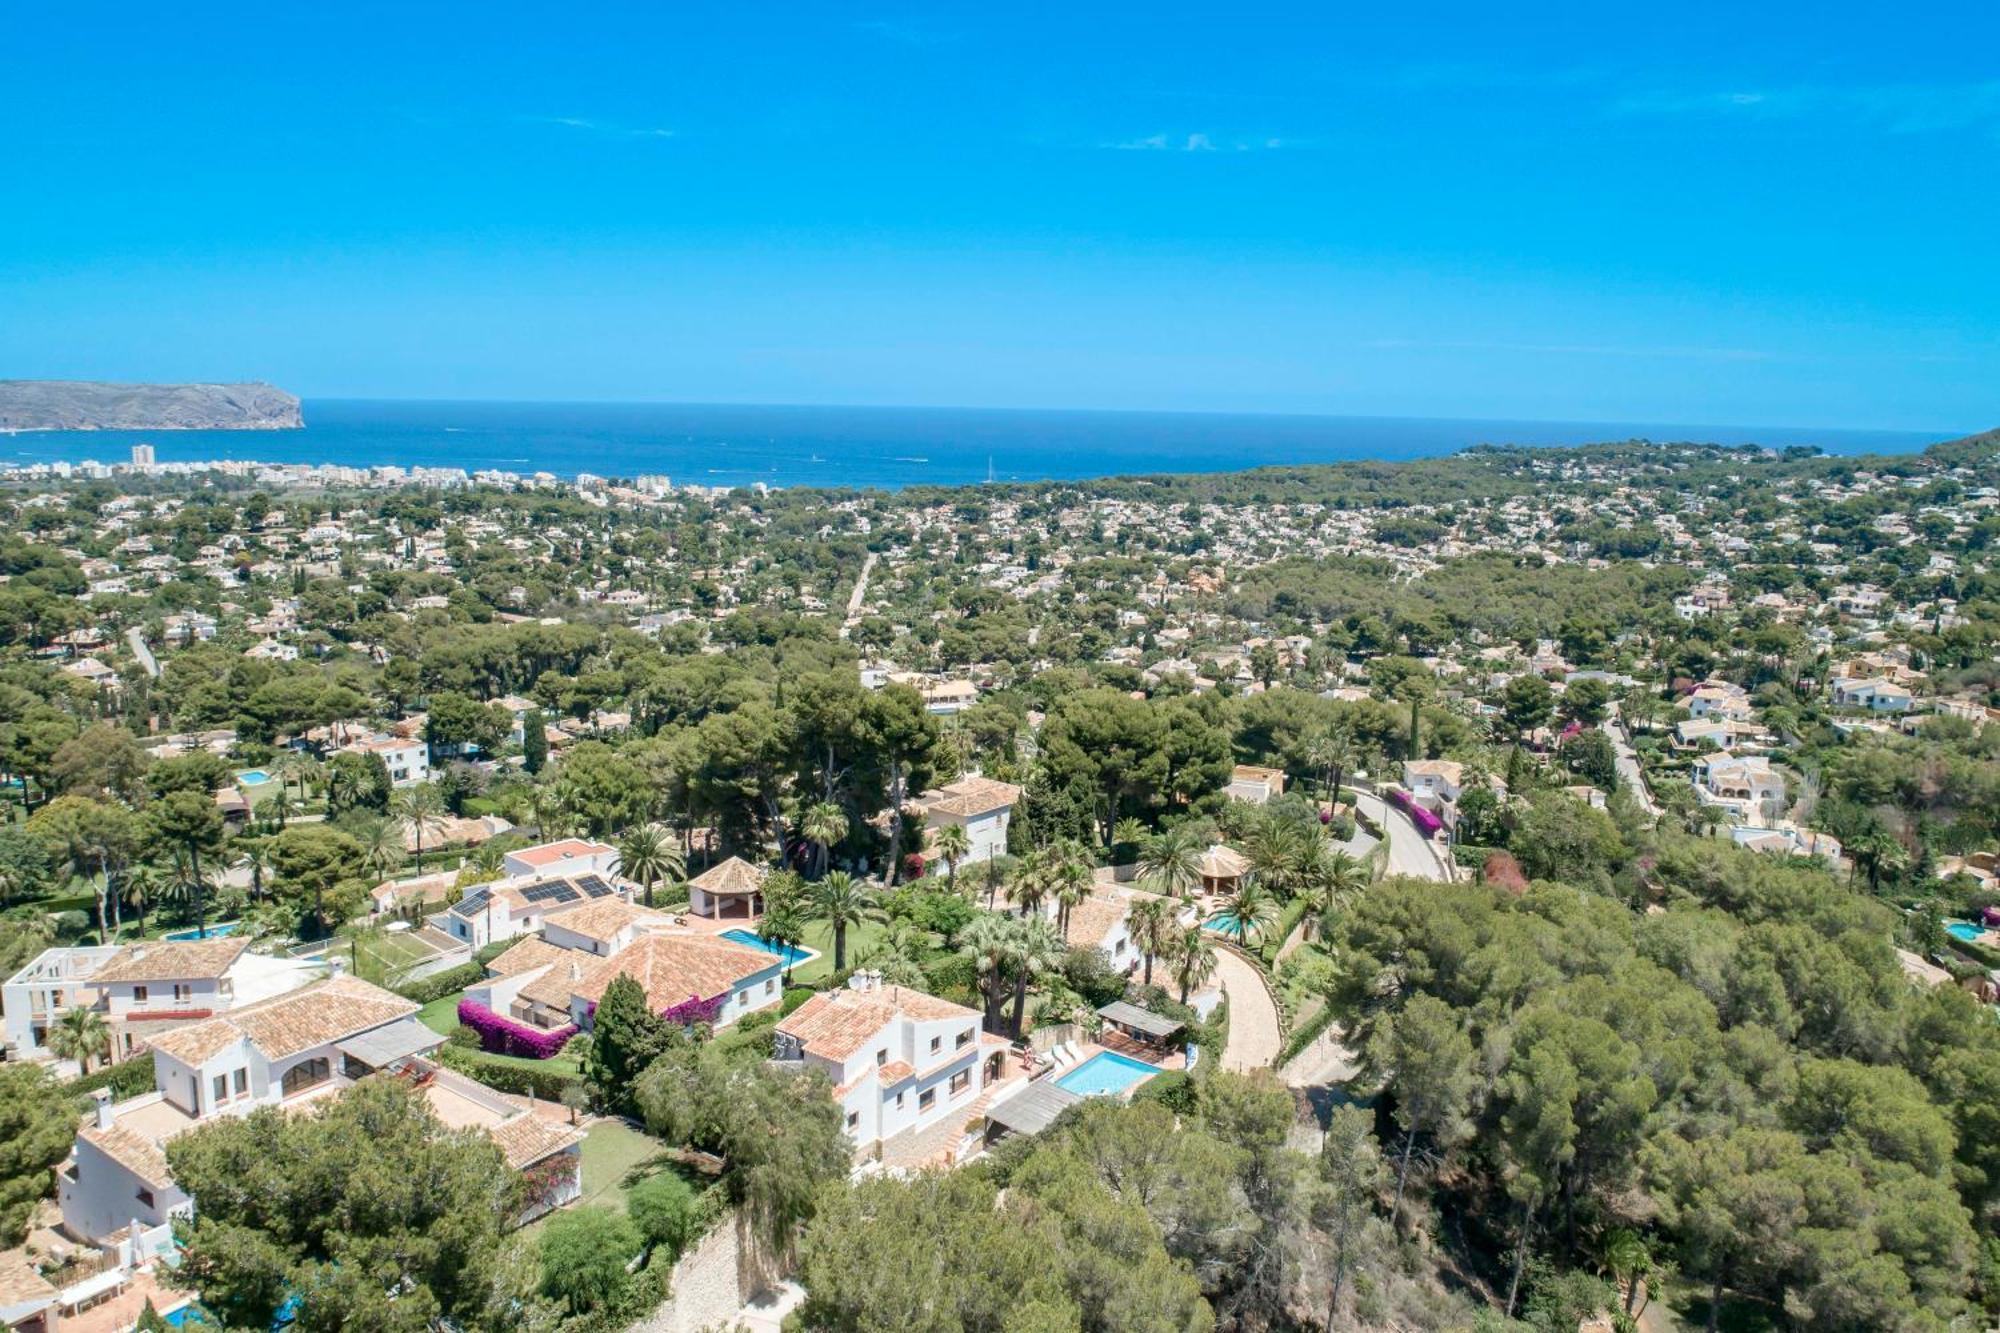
{"points": [[860, 592], [142, 652], [1629, 771], [1410, 853]]}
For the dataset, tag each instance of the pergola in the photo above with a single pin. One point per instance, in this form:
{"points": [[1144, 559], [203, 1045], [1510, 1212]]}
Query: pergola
{"points": [[1141, 1023]]}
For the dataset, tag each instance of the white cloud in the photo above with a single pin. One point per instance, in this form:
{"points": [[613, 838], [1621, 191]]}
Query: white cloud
{"points": [[1889, 108], [1198, 142], [610, 130]]}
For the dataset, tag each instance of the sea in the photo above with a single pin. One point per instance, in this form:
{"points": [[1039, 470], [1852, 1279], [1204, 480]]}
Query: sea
{"points": [[887, 447]]}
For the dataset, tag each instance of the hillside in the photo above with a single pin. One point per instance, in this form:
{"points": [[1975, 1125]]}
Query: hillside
{"points": [[90, 405]]}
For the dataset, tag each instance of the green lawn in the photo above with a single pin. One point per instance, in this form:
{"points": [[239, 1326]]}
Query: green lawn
{"points": [[818, 936], [615, 1158]]}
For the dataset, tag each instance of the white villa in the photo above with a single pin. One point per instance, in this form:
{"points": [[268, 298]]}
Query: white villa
{"points": [[142, 990], [979, 805], [408, 761], [899, 1059], [1743, 784], [311, 1043], [540, 883], [559, 978], [1872, 693]]}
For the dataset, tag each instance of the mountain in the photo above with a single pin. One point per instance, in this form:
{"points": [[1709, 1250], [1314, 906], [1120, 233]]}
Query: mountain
{"points": [[90, 405]]}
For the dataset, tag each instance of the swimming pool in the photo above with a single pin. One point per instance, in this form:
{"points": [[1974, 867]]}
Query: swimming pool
{"points": [[214, 932], [792, 955], [1222, 923], [1105, 1074], [1964, 930], [252, 777]]}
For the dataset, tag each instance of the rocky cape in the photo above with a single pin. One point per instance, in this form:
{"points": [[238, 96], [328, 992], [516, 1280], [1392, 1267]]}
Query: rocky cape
{"points": [[91, 405]]}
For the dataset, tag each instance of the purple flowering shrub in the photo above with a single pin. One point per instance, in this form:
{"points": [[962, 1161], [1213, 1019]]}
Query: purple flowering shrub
{"points": [[499, 1035]]}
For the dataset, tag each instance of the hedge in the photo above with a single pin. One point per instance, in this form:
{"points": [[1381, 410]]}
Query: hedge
{"points": [[1304, 1034], [127, 1078], [440, 984], [547, 1083], [794, 997]]}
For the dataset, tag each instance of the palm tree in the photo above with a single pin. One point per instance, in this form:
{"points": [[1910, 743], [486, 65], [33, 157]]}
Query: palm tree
{"points": [[1251, 909], [784, 918], [824, 825], [1630, 1262], [649, 856], [1170, 862], [1278, 851], [1193, 957], [140, 887], [1071, 877], [1330, 879], [1034, 948], [418, 811], [895, 955], [257, 857], [953, 845], [79, 1035], [1153, 922], [841, 901], [381, 847], [1031, 887], [985, 940], [300, 767]]}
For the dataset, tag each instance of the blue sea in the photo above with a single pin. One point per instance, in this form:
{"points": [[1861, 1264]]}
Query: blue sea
{"points": [[725, 445]]}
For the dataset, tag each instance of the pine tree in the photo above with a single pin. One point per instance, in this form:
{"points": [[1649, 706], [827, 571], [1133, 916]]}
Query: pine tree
{"points": [[626, 1037]]}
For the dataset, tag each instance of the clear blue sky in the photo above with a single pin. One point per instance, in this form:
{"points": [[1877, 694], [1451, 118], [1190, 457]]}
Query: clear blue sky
{"points": [[1741, 213]]}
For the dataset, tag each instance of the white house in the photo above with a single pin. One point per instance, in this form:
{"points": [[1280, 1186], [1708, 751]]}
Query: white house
{"points": [[1872, 693], [142, 989], [521, 904], [1433, 782], [1258, 786], [899, 1059], [570, 856], [56, 981], [408, 761], [1746, 784], [308, 1044], [1719, 698], [559, 978], [979, 805]]}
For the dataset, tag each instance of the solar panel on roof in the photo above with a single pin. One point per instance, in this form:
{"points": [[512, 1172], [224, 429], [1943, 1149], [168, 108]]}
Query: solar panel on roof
{"points": [[593, 886], [472, 902], [555, 890]]}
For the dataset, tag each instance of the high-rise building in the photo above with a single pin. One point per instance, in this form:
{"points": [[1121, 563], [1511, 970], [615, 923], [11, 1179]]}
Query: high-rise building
{"points": [[142, 455]]}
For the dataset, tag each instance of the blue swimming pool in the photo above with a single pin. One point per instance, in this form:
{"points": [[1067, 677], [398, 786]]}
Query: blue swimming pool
{"points": [[792, 955], [214, 932], [252, 777], [1222, 923], [1106, 1073], [1964, 930]]}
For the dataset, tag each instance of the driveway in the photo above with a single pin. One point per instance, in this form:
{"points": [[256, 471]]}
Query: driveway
{"points": [[1253, 1015], [1629, 772]]}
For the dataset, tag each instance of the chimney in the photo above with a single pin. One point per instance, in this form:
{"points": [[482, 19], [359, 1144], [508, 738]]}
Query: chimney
{"points": [[138, 952], [575, 970], [105, 1115], [335, 965]]}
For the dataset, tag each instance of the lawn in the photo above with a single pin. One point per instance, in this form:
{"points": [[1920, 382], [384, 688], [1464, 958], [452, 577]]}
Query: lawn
{"points": [[818, 935], [615, 1158]]}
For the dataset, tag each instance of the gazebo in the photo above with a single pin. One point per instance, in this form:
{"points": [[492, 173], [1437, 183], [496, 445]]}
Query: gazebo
{"points": [[730, 888], [1222, 869]]}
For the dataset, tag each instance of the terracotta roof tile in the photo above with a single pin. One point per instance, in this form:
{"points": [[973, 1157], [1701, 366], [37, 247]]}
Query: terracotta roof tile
{"points": [[172, 960]]}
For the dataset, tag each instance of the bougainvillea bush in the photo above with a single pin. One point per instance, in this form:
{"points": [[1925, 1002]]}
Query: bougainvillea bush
{"points": [[499, 1035], [693, 1010]]}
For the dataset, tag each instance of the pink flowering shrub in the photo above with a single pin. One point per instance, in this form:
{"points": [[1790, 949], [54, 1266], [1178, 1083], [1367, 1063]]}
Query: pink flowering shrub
{"points": [[694, 1010], [499, 1035]]}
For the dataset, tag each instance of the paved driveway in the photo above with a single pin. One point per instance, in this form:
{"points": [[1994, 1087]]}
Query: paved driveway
{"points": [[1253, 1015], [1409, 853]]}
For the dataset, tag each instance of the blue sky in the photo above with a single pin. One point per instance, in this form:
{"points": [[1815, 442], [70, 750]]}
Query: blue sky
{"points": [[1760, 214]]}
